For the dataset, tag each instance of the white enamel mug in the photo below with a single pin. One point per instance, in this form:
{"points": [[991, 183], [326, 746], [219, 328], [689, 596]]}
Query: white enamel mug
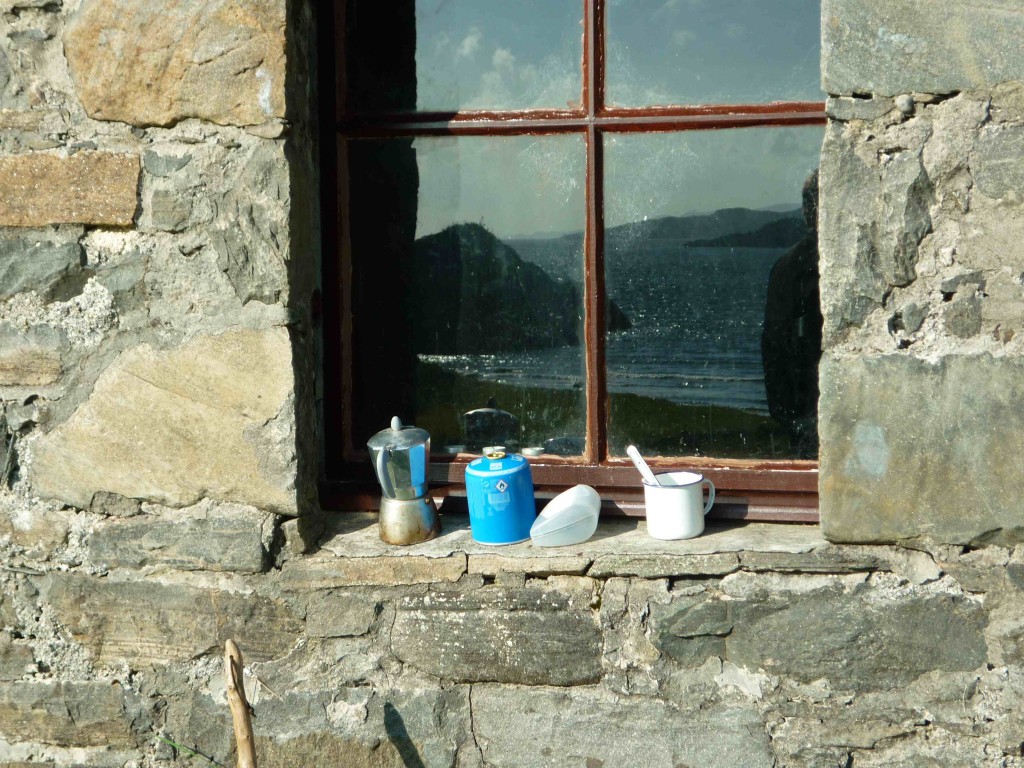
{"points": [[676, 508]]}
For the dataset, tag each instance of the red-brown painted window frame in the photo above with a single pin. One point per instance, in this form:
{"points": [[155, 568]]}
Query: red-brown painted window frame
{"points": [[747, 489]]}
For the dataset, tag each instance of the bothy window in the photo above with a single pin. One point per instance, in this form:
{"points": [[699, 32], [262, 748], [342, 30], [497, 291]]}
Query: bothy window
{"points": [[566, 227]]}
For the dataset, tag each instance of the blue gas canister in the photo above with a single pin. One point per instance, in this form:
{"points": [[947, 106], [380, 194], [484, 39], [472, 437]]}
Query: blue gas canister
{"points": [[499, 487]]}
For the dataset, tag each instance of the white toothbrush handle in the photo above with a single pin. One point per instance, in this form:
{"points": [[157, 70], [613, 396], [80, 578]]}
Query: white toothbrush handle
{"points": [[638, 460]]}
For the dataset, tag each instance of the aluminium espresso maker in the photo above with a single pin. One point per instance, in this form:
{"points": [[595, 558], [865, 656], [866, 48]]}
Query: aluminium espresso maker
{"points": [[400, 457]]}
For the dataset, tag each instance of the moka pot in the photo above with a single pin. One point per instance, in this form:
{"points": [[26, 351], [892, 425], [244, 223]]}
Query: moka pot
{"points": [[401, 457]]}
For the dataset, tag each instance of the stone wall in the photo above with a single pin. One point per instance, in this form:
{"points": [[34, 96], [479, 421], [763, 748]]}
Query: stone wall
{"points": [[158, 358], [922, 270], [157, 254], [754, 646]]}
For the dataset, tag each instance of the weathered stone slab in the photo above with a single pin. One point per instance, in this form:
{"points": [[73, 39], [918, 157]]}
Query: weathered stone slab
{"points": [[29, 357], [340, 614], [664, 566], [37, 528], [225, 538], [913, 449], [15, 658], [691, 630], [864, 637], [997, 161], [545, 565], [89, 714], [356, 535], [528, 728], [872, 220], [858, 642], [175, 426], [152, 623], [829, 560], [155, 63], [38, 261], [526, 636], [327, 572], [86, 188], [20, 120], [889, 47], [352, 728]]}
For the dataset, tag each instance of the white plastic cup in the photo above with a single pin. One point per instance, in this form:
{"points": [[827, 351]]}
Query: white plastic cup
{"points": [[676, 508], [569, 518]]}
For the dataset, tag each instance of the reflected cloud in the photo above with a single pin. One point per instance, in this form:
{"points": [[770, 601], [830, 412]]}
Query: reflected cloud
{"points": [[503, 59], [470, 44], [683, 37]]}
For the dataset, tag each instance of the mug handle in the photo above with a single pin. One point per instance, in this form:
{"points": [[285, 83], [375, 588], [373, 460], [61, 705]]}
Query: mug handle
{"points": [[711, 496]]}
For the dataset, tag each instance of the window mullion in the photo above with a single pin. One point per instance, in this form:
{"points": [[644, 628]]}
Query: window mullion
{"points": [[594, 292]]}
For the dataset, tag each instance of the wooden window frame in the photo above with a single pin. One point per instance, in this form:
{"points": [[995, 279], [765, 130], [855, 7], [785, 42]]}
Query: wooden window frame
{"points": [[747, 489]]}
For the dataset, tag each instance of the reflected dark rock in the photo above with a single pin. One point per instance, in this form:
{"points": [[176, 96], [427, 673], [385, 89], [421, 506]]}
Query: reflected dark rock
{"points": [[565, 446], [791, 339], [490, 426], [478, 296]]}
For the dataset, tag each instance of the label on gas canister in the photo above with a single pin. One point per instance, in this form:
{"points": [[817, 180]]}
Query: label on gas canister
{"points": [[501, 501]]}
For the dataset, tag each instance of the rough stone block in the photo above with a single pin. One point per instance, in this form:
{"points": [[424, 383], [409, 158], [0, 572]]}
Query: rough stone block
{"points": [[88, 714], [872, 220], [863, 642], [224, 538], [529, 728], [663, 566], [15, 658], [492, 565], [327, 572], [997, 161], [40, 261], [691, 630], [831, 560], [869, 638], [175, 426], [889, 47], [351, 728], [912, 449], [159, 63], [86, 188], [153, 623], [39, 529], [29, 357], [527, 636], [340, 614]]}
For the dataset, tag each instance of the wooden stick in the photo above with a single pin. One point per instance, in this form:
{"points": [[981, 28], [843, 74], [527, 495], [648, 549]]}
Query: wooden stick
{"points": [[240, 713]]}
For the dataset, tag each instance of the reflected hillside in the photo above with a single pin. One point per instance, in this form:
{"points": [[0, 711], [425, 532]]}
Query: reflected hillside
{"points": [[480, 297]]}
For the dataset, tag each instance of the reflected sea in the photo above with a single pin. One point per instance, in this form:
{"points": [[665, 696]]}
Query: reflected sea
{"points": [[696, 313]]}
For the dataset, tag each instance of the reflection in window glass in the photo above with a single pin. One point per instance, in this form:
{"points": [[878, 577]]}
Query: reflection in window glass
{"points": [[713, 51], [711, 251], [467, 289], [494, 54], [450, 55]]}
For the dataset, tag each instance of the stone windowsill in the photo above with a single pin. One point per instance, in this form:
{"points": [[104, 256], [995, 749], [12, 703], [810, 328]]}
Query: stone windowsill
{"points": [[351, 553]]}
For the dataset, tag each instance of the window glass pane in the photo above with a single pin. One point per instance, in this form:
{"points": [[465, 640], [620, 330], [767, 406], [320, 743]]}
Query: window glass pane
{"points": [[713, 51], [709, 255], [466, 290], [449, 55]]}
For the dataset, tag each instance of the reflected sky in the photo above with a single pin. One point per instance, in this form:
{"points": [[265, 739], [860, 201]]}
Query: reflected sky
{"points": [[673, 174], [496, 54], [516, 186], [525, 186], [475, 54], [713, 51]]}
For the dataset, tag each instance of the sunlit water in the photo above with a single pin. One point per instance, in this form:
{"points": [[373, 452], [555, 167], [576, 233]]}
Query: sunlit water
{"points": [[697, 315]]}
